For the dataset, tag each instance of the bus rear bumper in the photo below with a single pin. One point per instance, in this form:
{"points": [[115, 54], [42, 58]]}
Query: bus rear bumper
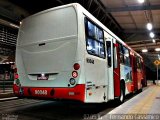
{"points": [[74, 93]]}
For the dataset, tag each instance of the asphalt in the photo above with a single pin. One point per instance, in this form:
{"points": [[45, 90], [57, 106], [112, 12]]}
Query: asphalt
{"points": [[4, 96], [137, 106]]}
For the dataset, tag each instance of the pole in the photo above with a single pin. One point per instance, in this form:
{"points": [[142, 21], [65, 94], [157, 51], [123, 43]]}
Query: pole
{"points": [[157, 74], [3, 86]]}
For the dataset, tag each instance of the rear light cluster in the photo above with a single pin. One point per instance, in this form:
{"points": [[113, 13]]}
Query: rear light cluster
{"points": [[72, 81], [16, 76], [76, 67], [74, 74]]}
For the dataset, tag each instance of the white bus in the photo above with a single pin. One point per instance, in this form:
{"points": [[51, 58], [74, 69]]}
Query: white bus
{"points": [[66, 53]]}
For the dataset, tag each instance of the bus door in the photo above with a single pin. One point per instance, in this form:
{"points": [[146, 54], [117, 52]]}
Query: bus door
{"points": [[109, 55], [116, 68]]}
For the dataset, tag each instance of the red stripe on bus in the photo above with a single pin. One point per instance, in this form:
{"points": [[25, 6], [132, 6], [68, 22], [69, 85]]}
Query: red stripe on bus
{"points": [[75, 93]]}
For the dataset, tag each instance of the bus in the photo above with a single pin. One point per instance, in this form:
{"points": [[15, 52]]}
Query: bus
{"points": [[65, 53]]}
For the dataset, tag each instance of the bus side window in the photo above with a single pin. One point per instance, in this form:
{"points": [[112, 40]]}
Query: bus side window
{"points": [[126, 56], [95, 44], [137, 62], [108, 45], [121, 53]]}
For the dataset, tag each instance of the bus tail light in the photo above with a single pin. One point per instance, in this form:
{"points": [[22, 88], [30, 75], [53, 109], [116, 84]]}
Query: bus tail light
{"points": [[16, 76], [74, 74], [76, 66], [72, 81]]}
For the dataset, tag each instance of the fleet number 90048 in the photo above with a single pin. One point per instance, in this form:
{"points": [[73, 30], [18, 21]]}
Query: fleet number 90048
{"points": [[41, 92]]}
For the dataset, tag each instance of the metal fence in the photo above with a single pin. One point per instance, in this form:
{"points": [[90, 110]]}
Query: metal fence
{"points": [[6, 83], [6, 86]]}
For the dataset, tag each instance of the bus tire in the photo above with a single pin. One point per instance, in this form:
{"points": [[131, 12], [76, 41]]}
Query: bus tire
{"points": [[141, 89], [122, 94]]}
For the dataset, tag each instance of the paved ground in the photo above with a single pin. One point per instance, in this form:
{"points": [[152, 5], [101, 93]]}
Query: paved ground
{"points": [[6, 95], [28, 109], [144, 106], [24, 109]]}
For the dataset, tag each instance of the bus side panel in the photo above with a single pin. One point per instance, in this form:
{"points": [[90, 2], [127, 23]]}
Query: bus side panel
{"points": [[139, 72], [134, 73], [139, 76], [95, 79], [117, 75], [125, 72]]}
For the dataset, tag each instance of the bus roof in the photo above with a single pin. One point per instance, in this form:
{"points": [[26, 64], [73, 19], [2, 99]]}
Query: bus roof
{"points": [[77, 5], [105, 28]]}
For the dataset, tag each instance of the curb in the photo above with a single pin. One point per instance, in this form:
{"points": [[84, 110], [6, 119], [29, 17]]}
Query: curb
{"points": [[10, 98]]}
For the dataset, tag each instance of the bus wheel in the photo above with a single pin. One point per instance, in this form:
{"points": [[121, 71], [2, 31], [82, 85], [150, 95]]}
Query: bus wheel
{"points": [[141, 89], [122, 96]]}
